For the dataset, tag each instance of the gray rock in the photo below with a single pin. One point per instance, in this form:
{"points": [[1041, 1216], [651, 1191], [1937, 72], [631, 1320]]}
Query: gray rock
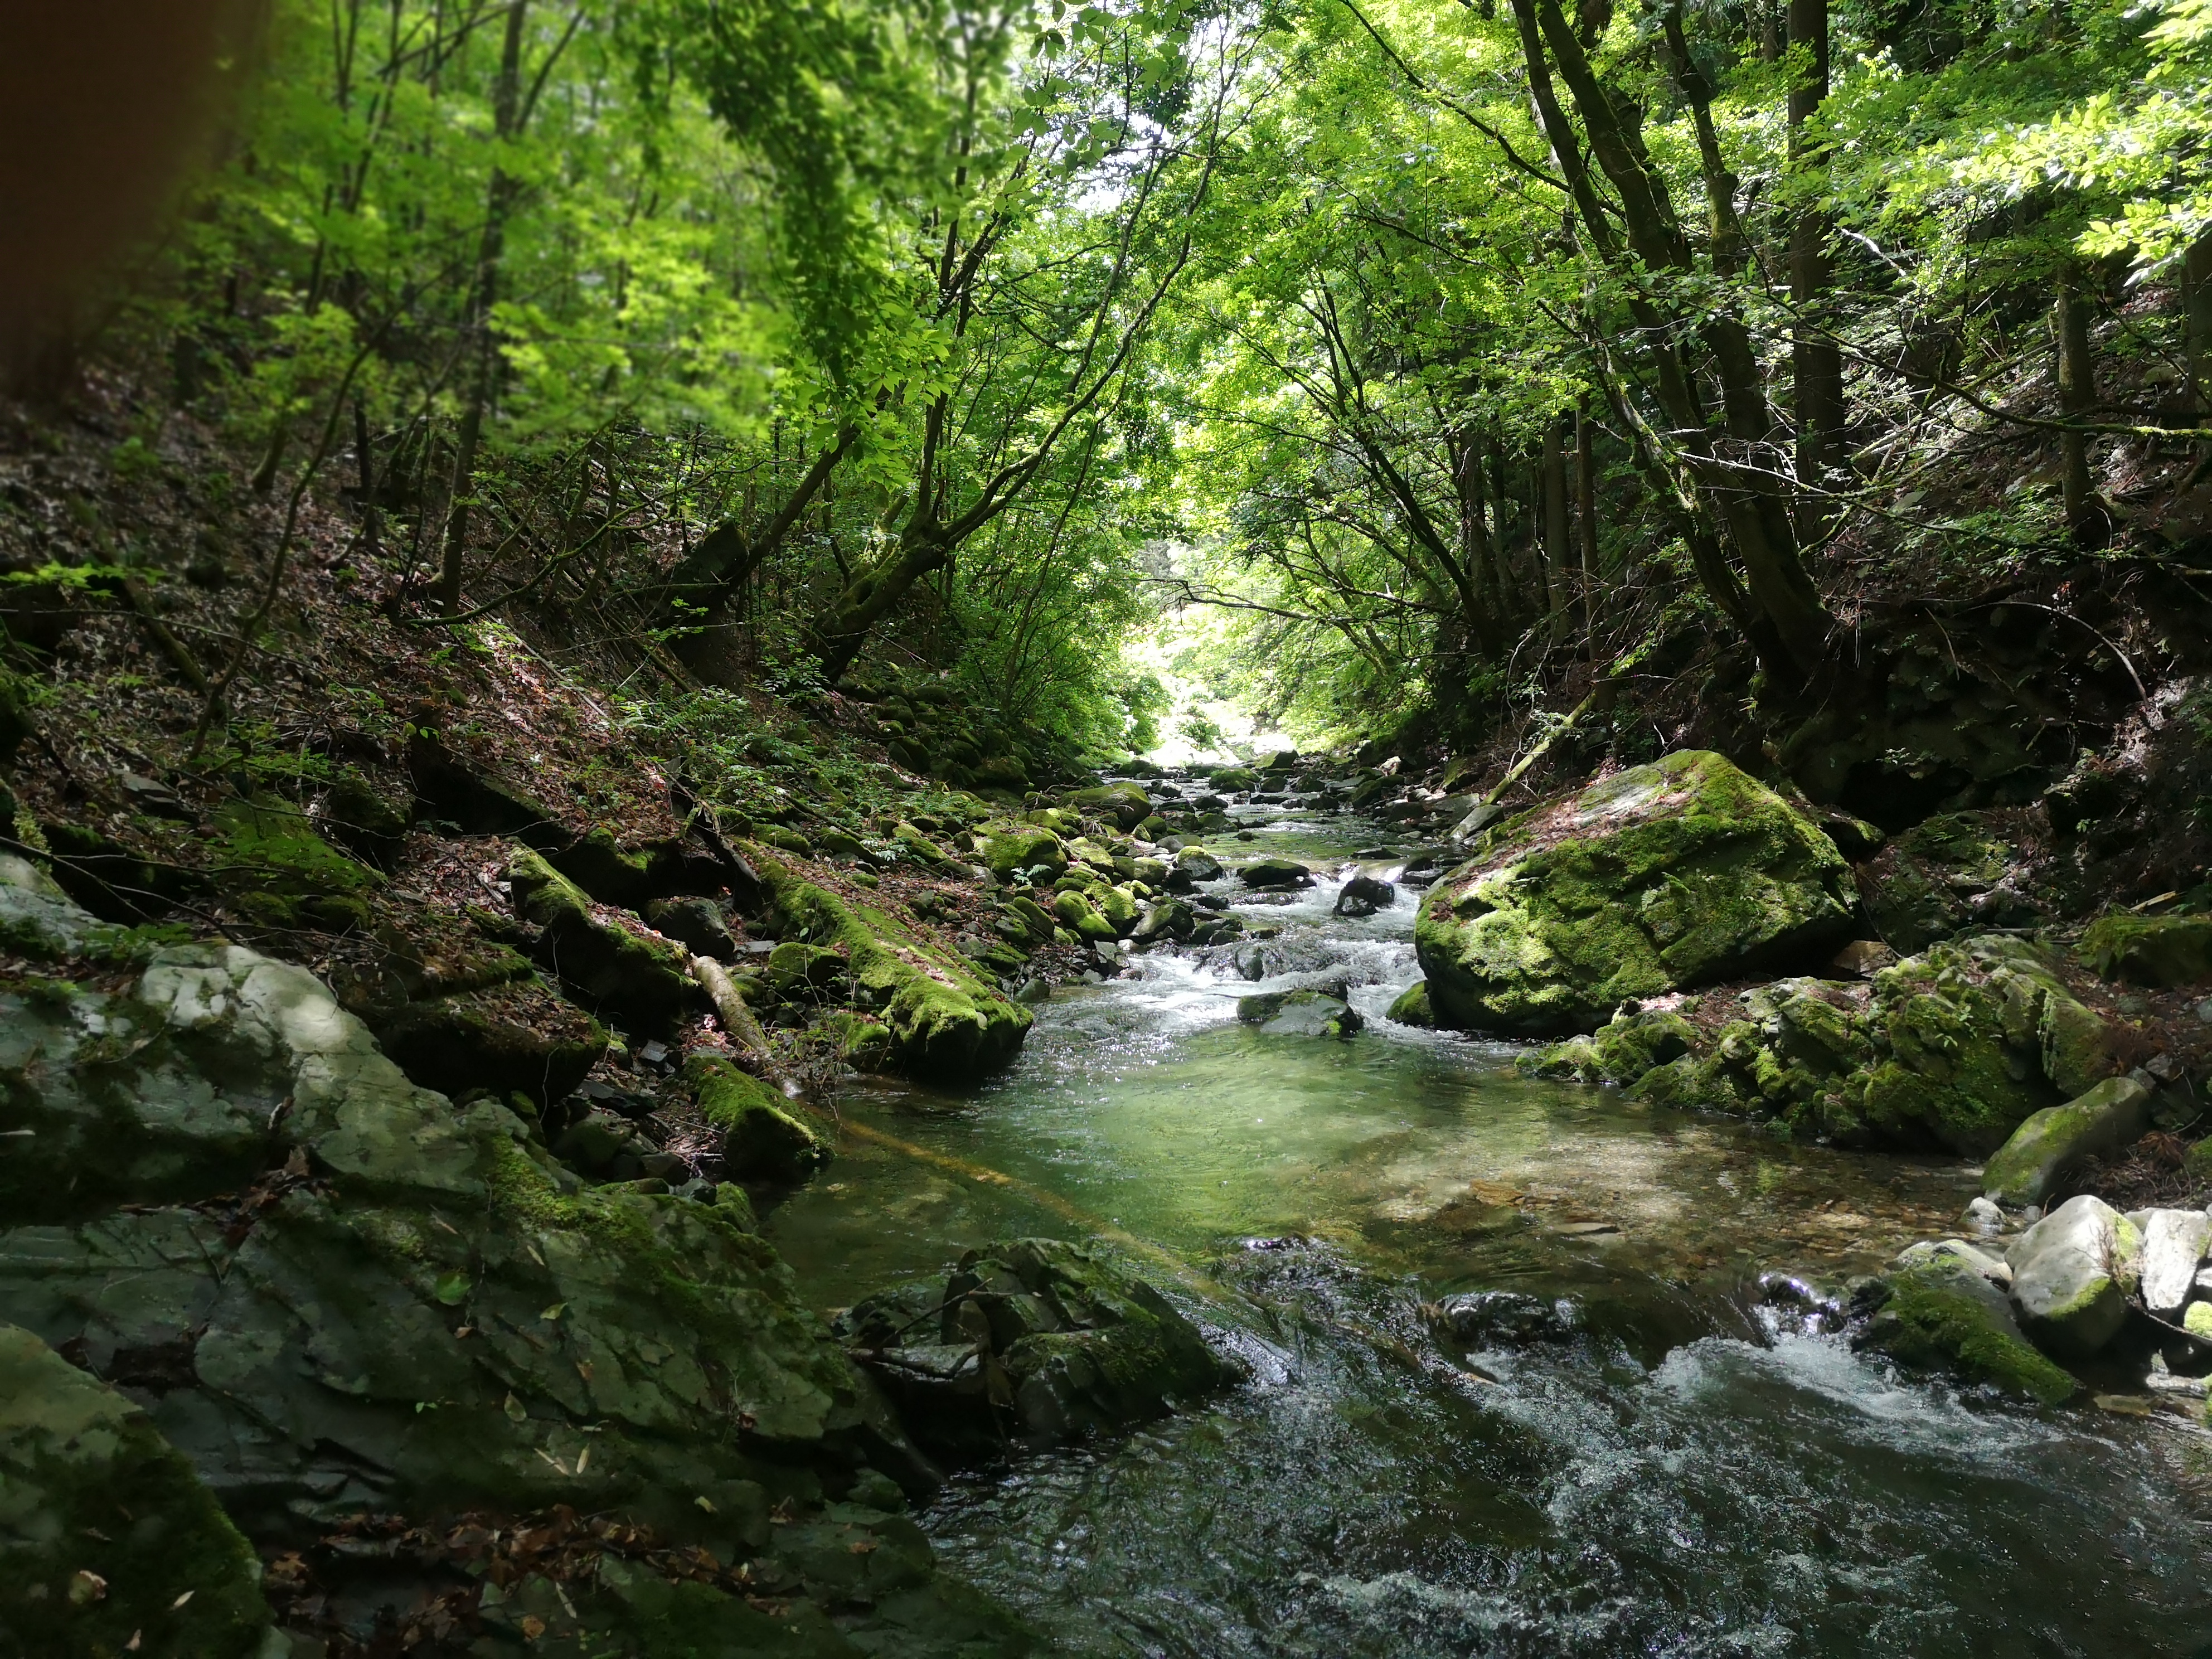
{"points": [[2072, 1274], [2174, 1245], [1249, 963], [1267, 875], [2050, 1142], [1984, 1216], [1034, 989]]}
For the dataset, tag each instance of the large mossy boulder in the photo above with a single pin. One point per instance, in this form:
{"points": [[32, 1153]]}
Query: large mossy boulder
{"points": [[1941, 1314], [109, 1542], [1677, 874], [940, 1018], [1040, 1339], [1007, 848], [276, 871], [1949, 1049], [612, 966], [1124, 804]]}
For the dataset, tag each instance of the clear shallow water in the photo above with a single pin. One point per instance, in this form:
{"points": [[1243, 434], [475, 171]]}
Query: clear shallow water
{"points": [[1687, 1474]]}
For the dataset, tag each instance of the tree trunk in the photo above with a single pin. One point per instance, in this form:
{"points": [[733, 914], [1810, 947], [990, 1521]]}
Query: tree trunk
{"points": [[483, 293], [1816, 365], [1558, 584], [2197, 290], [2077, 395], [869, 597], [1586, 514]]}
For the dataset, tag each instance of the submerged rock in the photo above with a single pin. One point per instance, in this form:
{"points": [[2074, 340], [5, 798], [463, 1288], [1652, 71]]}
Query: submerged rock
{"points": [[1266, 875], [2072, 1273], [1300, 1013], [2050, 1142], [1676, 874], [1508, 1318], [1036, 1340], [109, 1542], [1940, 1313]]}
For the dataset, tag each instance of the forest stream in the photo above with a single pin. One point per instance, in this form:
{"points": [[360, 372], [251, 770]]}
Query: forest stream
{"points": [[1673, 1456]]}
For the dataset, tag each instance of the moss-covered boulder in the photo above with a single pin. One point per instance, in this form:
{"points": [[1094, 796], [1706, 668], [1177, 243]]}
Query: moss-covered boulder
{"points": [[1621, 1051], [941, 1020], [1941, 1314], [2154, 950], [2050, 1142], [109, 1542], [1231, 780], [1044, 1337], [1948, 1049], [1411, 1006], [1124, 804], [1676, 874], [609, 962], [615, 871], [1271, 875], [761, 1141], [1007, 848], [1081, 917]]}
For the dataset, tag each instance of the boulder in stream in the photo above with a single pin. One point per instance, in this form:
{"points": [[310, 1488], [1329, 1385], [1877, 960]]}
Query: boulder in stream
{"points": [[1676, 874], [1274, 875], [2174, 1243], [1941, 1312], [2072, 1274], [1034, 1340], [1364, 895]]}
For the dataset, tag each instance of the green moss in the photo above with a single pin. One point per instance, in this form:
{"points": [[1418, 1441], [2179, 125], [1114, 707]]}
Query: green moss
{"points": [[274, 867], [942, 1019], [607, 966], [1935, 1320], [2162, 951], [108, 1540], [1411, 1006], [761, 1141], [1668, 876], [1007, 848]]}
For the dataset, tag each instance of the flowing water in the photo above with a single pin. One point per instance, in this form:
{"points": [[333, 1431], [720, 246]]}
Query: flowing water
{"points": [[1684, 1466]]}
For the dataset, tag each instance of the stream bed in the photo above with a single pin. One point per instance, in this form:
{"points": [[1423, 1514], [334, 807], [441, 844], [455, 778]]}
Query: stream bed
{"points": [[1673, 1460]]}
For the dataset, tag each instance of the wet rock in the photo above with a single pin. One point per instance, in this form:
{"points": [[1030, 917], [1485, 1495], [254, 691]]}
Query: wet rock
{"points": [[762, 1141], [1501, 1319], [1038, 1339], [1411, 1006], [2161, 950], [2173, 1247], [1168, 918], [1196, 863], [1994, 1268], [697, 924], [643, 981], [1275, 874], [2072, 1274], [1672, 875], [1300, 1013], [2057, 1139], [1249, 961], [1941, 1314], [1364, 895], [107, 1537], [1984, 1218]]}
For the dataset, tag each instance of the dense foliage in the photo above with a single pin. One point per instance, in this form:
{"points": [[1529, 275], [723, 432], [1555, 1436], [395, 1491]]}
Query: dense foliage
{"points": [[1454, 352]]}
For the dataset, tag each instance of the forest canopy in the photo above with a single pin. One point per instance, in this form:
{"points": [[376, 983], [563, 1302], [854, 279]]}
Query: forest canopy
{"points": [[1457, 356]]}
